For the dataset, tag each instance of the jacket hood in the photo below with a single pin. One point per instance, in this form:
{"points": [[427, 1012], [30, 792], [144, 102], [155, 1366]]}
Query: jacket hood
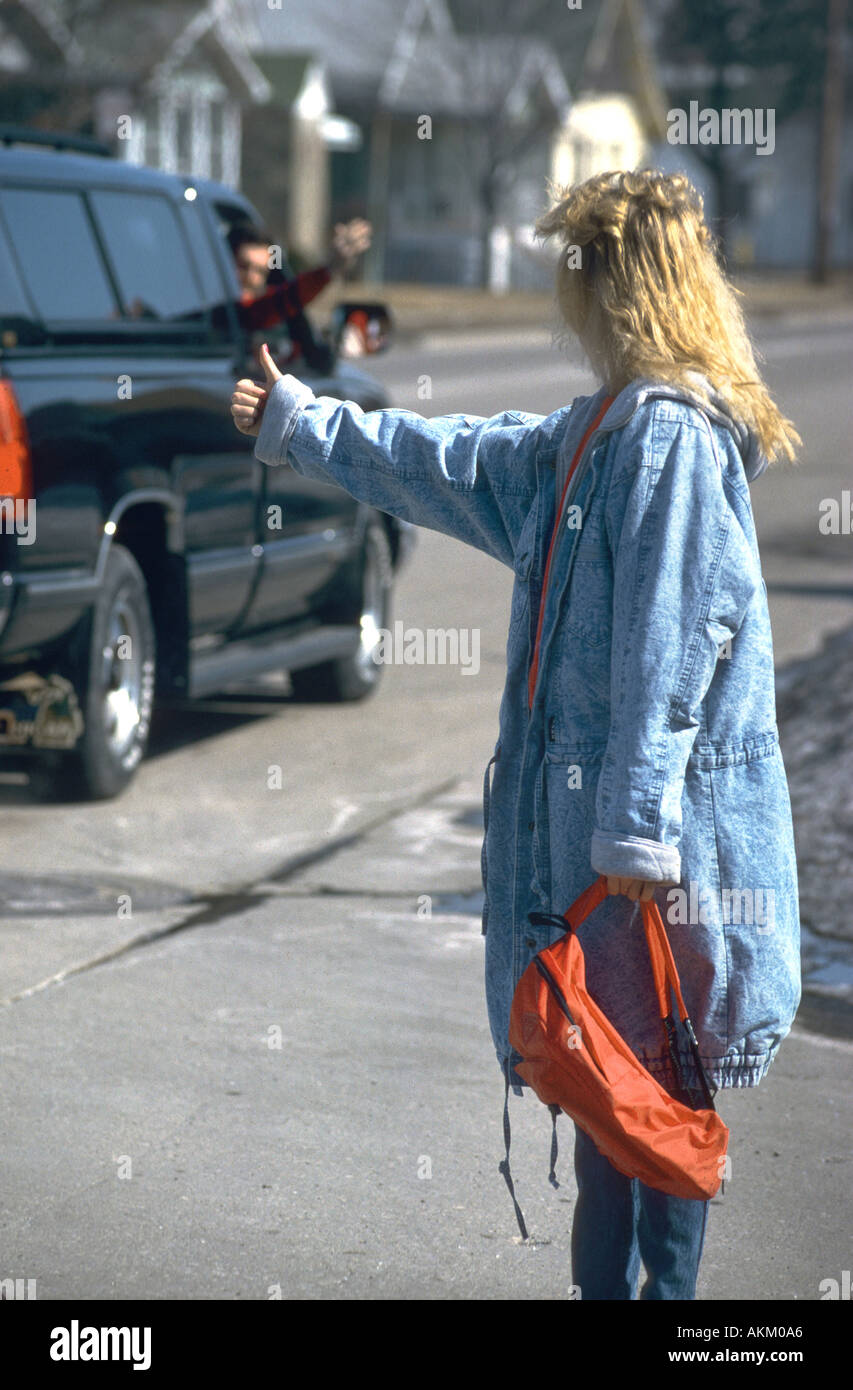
{"points": [[754, 460]]}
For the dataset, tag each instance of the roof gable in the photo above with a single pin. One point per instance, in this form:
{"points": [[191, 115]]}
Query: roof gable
{"points": [[355, 41], [471, 76], [140, 42], [39, 31]]}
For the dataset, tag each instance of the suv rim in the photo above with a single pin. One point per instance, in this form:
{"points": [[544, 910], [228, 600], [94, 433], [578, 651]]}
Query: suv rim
{"points": [[121, 678]]}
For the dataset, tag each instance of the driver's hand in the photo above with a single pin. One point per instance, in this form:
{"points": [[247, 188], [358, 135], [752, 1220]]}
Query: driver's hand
{"points": [[348, 242]]}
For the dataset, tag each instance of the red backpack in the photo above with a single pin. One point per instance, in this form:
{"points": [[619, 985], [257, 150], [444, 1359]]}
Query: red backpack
{"points": [[576, 1061]]}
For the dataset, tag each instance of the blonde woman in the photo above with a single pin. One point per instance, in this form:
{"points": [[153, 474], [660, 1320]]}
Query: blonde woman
{"points": [[638, 733]]}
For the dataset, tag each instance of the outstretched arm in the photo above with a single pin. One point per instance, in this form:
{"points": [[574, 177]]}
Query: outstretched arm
{"points": [[470, 477]]}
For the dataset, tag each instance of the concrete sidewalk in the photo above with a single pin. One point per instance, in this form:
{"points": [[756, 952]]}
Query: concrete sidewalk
{"points": [[297, 1088]]}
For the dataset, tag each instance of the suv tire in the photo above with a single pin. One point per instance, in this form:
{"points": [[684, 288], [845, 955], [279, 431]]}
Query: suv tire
{"points": [[120, 663], [354, 677]]}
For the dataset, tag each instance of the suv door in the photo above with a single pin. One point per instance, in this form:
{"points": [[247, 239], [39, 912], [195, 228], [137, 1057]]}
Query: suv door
{"points": [[306, 529], [167, 275]]}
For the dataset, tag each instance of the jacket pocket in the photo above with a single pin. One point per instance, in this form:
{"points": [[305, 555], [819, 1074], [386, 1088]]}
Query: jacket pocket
{"points": [[588, 603]]}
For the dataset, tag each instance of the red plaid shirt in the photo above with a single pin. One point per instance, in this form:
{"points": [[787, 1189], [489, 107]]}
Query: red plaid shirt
{"points": [[284, 302]]}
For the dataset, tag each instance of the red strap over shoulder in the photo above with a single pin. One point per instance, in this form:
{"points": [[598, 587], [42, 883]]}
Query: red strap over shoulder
{"points": [[534, 665]]}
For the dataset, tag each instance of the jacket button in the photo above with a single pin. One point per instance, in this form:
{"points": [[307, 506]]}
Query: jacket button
{"points": [[531, 825], [531, 942]]}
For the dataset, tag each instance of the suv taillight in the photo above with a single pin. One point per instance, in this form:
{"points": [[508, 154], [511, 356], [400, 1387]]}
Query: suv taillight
{"points": [[16, 473]]}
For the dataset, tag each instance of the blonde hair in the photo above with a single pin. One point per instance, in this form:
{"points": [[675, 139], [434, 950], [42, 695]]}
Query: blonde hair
{"points": [[650, 299]]}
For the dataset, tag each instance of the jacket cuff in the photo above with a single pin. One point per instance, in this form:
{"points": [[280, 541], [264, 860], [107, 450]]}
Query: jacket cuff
{"points": [[629, 856], [285, 402]]}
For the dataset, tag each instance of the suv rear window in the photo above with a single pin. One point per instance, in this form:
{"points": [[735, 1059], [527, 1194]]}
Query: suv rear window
{"points": [[13, 301], [58, 255], [146, 247]]}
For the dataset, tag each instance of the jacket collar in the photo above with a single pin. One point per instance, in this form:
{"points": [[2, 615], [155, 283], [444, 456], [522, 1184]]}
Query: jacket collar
{"points": [[633, 396]]}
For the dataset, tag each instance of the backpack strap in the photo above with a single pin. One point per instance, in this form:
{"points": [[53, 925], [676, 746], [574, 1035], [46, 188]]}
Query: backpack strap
{"points": [[503, 1166], [664, 973], [563, 475], [666, 977]]}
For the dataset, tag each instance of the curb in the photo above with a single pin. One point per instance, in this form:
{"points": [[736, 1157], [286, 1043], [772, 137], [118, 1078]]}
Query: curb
{"points": [[437, 335]]}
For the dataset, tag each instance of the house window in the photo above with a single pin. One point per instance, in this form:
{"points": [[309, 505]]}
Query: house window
{"points": [[151, 147], [200, 127], [168, 150], [183, 139], [217, 126], [232, 134]]}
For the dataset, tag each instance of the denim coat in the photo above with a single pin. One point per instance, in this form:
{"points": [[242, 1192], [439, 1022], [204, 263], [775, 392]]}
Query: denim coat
{"points": [[651, 749]]}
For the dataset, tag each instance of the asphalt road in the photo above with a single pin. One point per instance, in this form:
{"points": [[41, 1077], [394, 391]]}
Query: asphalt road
{"points": [[164, 1140]]}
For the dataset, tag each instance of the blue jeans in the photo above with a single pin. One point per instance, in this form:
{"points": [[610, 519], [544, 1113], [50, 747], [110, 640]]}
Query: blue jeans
{"points": [[618, 1221]]}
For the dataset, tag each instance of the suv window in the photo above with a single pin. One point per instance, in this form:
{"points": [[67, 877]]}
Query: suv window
{"points": [[51, 233], [13, 302], [197, 235], [226, 217], [143, 239]]}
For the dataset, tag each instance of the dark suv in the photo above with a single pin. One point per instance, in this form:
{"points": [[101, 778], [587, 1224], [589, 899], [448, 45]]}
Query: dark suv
{"points": [[144, 552]]}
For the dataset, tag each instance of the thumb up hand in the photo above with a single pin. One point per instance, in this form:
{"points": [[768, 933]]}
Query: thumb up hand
{"points": [[271, 371], [248, 399]]}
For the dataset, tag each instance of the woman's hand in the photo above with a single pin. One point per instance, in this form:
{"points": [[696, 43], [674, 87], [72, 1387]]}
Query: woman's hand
{"points": [[248, 399], [637, 889]]}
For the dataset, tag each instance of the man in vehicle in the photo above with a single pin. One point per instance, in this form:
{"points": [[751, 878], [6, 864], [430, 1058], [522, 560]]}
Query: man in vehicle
{"points": [[263, 304]]}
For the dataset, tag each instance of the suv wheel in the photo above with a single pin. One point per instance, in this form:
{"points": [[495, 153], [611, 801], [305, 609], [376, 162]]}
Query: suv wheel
{"points": [[354, 677], [117, 709]]}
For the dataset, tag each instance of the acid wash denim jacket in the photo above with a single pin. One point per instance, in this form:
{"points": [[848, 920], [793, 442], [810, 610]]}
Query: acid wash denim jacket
{"points": [[651, 748]]}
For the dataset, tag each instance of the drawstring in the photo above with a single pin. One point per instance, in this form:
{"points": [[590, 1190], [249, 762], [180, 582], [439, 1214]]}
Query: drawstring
{"points": [[503, 1166], [484, 866]]}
